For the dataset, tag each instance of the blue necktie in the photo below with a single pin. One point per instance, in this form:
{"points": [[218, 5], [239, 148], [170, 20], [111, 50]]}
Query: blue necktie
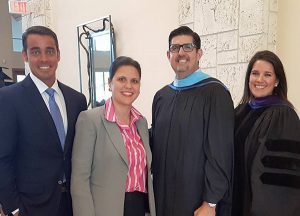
{"points": [[56, 116]]}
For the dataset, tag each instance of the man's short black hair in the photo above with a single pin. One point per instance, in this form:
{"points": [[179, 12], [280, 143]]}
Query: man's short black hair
{"points": [[185, 30], [39, 30]]}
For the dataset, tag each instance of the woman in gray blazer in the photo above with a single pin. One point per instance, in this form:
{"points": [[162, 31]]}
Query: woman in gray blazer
{"points": [[111, 155]]}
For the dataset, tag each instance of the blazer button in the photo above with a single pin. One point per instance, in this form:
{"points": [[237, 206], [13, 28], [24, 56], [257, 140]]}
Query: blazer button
{"points": [[60, 182]]}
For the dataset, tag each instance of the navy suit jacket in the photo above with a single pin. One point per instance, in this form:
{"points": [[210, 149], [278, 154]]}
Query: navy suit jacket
{"points": [[32, 161]]}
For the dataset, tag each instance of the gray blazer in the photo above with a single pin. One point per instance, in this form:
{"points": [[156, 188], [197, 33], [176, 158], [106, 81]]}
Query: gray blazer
{"points": [[99, 166]]}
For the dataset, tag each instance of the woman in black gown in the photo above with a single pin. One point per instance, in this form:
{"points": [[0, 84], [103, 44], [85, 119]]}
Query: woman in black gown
{"points": [[267, 143]]}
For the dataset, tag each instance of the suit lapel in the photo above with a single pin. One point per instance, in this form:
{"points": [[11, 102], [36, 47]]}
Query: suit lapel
{"points": [[32, 94], [143, 132], [115, 136], [70, 119]]}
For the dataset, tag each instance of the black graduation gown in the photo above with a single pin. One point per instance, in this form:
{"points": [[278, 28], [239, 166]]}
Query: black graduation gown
{"points": [[192, 131], [267, 161]]}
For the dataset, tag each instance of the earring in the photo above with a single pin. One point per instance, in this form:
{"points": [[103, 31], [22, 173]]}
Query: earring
{"points": [[276, 84]]}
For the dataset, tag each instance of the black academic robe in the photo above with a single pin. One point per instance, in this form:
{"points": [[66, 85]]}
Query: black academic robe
{"points": [[267, 161], [192, 132]]}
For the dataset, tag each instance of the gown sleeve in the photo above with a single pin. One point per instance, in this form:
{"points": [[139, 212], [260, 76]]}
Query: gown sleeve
{"points": [[274, 163], [218, 147]]}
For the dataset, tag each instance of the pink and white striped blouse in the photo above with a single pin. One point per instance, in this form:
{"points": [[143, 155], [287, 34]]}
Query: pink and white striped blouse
{"points": [[136, 155]]}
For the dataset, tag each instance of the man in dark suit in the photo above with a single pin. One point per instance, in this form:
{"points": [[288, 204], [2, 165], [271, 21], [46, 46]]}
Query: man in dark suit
{"points": [[36, 139]]}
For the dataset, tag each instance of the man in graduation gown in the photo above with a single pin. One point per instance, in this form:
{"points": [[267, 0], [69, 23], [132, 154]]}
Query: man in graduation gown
{"points": [[192, 136]]}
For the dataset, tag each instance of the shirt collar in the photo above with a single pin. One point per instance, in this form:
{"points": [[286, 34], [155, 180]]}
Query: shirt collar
{"points": [[110, 114], [41, 86], [193, 78]]}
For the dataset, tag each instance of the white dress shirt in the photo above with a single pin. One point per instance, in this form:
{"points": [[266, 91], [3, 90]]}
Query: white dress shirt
{"points": [[58, 95]]}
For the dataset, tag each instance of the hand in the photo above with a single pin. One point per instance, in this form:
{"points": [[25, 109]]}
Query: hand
{"points": [[205, 210], [2, 213]]}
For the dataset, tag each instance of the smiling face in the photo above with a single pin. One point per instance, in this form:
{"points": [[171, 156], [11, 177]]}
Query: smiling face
{"points": [[184, 63], [42, 56], [125, 85], [262, 80]]}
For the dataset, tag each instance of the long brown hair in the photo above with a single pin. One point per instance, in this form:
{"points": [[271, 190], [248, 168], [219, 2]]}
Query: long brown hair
{"points": [[272, 58]]}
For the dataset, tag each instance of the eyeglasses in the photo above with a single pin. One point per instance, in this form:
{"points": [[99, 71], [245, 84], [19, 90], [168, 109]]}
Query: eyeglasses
{"points": [[174, 48]]}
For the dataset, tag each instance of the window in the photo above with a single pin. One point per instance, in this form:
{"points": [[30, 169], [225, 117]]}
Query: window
{"points": [[16, 24]]}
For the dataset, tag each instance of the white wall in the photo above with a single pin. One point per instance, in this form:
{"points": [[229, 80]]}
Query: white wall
{"points": [[289, 46], [231, 32], [141, 27]]}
